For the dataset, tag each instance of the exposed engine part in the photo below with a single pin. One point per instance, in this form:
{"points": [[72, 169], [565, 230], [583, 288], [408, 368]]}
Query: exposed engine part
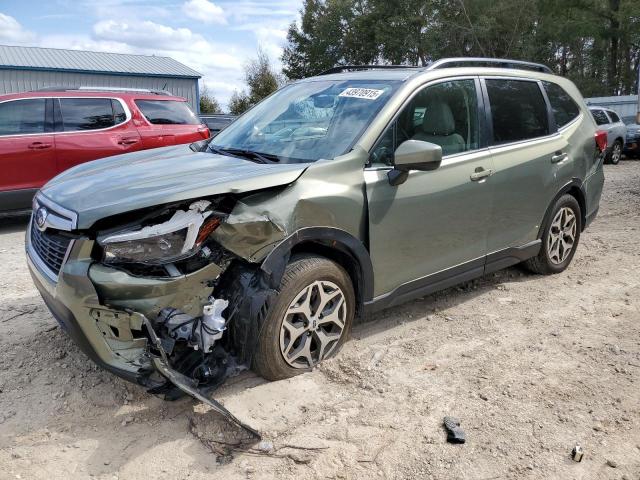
{"points": [[200, 333], [213, 324], [187, 385]]}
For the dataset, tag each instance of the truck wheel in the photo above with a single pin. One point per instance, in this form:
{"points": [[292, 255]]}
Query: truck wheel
{"points": [[559, 239], [309, 321]]}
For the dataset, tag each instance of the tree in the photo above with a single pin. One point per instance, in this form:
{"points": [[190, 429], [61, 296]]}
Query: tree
{"points": [[262, 80], [595, 43], [239, 103], [208, 103]]}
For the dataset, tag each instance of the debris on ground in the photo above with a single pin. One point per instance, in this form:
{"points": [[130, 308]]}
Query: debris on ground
{"points": [[455, 434]]}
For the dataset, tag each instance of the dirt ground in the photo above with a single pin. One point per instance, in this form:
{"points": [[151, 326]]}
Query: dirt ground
{"points": [[531, 366]]}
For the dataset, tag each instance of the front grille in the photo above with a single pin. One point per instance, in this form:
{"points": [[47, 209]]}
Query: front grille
{"points": [[50, 247]]}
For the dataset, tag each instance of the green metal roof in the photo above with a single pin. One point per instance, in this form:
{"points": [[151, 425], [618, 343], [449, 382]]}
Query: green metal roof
{"points": [[35, 58]]}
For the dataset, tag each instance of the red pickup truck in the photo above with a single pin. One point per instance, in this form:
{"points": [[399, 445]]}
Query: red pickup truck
{"points": [[43, 133]]}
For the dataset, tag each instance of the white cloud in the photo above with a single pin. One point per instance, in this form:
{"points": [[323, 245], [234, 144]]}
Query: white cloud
{"points": [[12, 32], [241, 10], [205, 11], [83, 42], [167, 28], [271, 40], [220, 64]]}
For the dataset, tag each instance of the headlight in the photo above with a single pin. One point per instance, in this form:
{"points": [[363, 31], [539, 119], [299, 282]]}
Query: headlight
{"points": [[177, 238]]}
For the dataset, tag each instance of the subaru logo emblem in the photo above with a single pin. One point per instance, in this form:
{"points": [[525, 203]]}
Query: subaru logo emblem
{"points": [[41, 218]]}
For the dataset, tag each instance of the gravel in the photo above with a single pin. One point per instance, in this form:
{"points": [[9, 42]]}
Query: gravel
{"points": [[530, 373]]}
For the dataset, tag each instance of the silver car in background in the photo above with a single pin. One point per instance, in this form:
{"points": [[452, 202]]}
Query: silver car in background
{"points": [[609, 121]]}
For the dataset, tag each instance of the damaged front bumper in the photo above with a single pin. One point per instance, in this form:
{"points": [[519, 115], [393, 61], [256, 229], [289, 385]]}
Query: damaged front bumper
{"points": [[104, 310]]}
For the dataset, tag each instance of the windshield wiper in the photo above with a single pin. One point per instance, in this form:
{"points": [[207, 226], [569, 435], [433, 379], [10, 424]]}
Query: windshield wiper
{"points": [[248, 154]]}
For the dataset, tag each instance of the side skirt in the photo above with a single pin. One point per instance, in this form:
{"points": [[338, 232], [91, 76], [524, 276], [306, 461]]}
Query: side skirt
{"points": [[453, 276]]}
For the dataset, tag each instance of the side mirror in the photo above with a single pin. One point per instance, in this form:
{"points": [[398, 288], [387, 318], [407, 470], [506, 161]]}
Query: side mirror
{"points": [[414, 155]]}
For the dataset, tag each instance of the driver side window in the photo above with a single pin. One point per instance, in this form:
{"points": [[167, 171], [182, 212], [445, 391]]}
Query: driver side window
{"points": [[445, 114]]}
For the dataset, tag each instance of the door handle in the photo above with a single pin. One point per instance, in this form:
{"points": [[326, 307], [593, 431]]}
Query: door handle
{"points": [[39, 145], [480, 173], [127, 141], [559, 157]]}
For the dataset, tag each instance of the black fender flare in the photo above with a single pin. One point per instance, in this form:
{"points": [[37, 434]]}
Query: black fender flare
{"points": [[571, 184], [275, 262]]}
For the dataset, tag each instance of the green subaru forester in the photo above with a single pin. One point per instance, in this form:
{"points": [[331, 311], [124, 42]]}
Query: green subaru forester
{"points": [[340, 194]]}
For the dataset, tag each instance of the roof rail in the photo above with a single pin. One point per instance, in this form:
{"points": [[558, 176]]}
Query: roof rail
{"points": [[102, 89], [345, 68], [484, 62]]}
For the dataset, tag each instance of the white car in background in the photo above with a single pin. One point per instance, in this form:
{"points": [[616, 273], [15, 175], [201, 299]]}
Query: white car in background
{"points": [[609, 121]]}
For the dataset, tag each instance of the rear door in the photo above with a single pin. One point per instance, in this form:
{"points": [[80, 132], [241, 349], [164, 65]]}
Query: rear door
{"points": [[92, 128], [27, 153], [527, 157], [169, 122]]}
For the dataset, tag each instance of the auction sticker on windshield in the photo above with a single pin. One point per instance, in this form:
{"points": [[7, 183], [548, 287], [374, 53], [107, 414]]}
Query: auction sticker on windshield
{"points": [[366, 93]]}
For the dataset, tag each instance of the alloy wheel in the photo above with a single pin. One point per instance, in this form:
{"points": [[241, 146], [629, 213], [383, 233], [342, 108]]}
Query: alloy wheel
{"points": [[562, 235], [313, 324], [616, 154]]}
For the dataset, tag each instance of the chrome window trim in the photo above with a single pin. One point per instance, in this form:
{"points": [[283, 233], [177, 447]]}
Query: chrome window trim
{"points": [[127, 112], [567, 125]]}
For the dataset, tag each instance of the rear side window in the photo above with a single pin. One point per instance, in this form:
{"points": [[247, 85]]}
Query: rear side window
{"points": [[600, 117], [22, 116], [518, 110], [614, 116], [563, 106], [86, 113], [167, 112], [119, 115]]}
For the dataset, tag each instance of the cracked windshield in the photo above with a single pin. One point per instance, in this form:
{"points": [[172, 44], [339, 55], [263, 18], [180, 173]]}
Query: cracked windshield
{"points": [[306, 122]]}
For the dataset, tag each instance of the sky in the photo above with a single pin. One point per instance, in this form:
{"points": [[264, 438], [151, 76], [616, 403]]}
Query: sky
{"points": [[216, 38]]}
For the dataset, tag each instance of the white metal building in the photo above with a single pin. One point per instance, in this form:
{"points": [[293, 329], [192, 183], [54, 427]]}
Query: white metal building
{"points": [[623, 105], [29, 68]]}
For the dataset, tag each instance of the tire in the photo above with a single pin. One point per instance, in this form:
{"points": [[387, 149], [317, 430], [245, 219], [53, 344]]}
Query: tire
{"points": [[279, 340], [553, 257], [615, 154]]}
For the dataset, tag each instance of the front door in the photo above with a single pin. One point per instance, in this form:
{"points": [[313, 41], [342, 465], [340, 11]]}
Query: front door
{"points": [[433, 227]]}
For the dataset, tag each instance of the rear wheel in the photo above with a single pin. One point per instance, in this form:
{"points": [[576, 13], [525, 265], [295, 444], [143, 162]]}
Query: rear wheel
{"points": [[615, 154], [559, 239], [309, 321]]}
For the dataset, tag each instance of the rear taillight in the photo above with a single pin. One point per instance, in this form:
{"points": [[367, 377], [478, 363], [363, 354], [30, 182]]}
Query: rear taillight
{"points": [[601, 140], [204, 132]]}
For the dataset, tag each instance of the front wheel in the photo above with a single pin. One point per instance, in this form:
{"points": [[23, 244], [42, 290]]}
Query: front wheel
{"points": [[309, 321], [559, 239]]}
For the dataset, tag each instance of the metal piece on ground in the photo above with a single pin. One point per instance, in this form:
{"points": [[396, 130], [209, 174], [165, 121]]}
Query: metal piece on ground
{"points": [[454, 433], [186, 384], [577, 453]]}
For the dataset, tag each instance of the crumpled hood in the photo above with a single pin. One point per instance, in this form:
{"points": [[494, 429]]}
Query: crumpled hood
{"points": [[114, 185]]}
